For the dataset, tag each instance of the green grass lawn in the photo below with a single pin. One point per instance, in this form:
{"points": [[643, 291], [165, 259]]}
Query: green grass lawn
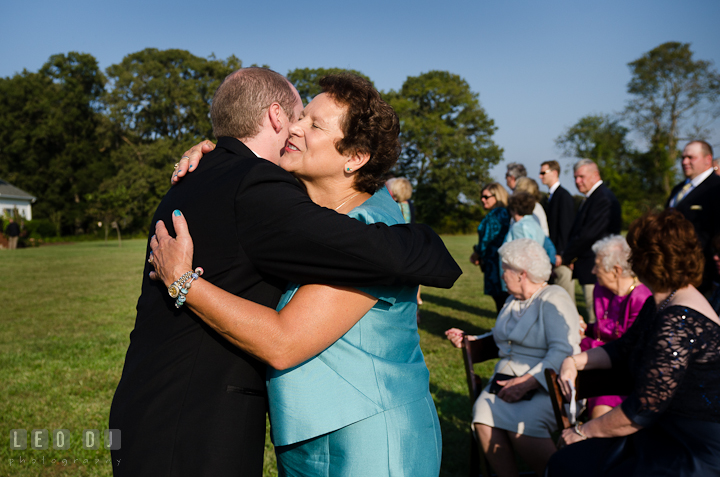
{"points": [[66, 312]]}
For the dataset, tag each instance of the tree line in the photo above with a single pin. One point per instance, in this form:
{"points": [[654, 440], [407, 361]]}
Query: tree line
{"points": [[97, 147], [674, 98]]}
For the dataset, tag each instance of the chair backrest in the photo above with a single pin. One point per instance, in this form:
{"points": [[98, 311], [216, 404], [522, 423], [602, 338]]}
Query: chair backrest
{"points": [[590, 383], [477, 351]]}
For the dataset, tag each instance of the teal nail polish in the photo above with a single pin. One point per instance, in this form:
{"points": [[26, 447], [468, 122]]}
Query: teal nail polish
{"points": [[190, 166], [176, 213]]}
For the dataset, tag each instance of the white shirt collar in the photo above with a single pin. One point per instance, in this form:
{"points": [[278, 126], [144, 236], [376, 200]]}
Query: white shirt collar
{"points": [[592, 189], [699, 179], [256, 154], [554, 187]]}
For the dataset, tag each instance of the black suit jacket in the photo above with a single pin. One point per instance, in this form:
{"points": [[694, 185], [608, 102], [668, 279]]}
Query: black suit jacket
{"points": [[598, 217], [188, 402], [560, 211], [702, 207]]}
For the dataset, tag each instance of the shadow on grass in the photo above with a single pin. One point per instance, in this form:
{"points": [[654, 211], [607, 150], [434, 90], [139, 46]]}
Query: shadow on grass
{"points": [[436, 324], [454, 410], [457, 305]]}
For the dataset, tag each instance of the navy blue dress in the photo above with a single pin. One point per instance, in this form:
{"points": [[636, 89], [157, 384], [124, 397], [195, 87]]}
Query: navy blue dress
{"points": [[674, 357]]}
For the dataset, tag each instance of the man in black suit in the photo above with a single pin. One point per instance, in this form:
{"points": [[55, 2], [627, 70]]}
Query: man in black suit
{"points": [[560, 211], [698, 199], [189, 403], [599, 216]]}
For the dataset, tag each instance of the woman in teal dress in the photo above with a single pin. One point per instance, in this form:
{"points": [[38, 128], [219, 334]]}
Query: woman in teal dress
{"points": [[348, 387], [491, 233]]}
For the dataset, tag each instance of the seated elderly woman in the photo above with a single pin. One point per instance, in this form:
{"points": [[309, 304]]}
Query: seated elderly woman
{"points": [[670, 423], [537, 328], [521, 206], [618, 298]]}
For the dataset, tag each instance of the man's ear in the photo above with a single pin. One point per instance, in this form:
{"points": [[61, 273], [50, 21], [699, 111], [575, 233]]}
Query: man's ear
{"points": [[276, 116], [356, 161]]}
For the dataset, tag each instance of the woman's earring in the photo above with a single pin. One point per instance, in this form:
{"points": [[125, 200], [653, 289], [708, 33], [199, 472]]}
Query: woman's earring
{"points": [[348, 169]]}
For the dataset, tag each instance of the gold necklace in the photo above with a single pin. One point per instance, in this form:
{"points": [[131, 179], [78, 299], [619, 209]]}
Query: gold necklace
{"points": [[348, 200]]}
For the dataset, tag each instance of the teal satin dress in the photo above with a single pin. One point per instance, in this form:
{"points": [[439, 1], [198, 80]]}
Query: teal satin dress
{"points": [[362, 407]]}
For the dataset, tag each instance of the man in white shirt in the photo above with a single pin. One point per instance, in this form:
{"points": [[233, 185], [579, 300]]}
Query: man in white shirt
{"points": [[698, 199], [560, 211], [598, 216]]}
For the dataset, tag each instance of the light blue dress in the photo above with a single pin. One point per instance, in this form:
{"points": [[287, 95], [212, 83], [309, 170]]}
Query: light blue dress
{"points": [[362, 407]]}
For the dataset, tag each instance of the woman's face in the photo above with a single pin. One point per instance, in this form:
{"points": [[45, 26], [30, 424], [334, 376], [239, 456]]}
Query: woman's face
{"points": [[310, 152], [488, 200], [513, 281], [608, 279]]}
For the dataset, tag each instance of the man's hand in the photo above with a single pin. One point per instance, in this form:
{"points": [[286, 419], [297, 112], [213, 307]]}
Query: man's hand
{"points": [[558, 260], [190, 160], [475, 258]]}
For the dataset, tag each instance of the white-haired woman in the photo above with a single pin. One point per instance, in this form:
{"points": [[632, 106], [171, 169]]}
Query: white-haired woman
{"points": [[536, 329], [618, 299]]}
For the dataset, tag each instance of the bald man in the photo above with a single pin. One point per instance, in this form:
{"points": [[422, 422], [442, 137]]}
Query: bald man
{"points": [[598, 216]]}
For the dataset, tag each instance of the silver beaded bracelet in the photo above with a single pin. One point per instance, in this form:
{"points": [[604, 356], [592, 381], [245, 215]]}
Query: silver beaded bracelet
{"points": [[179, 289]]}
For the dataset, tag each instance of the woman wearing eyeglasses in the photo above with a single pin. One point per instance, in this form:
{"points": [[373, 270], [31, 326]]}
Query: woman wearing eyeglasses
{"points": [[491, 233]]}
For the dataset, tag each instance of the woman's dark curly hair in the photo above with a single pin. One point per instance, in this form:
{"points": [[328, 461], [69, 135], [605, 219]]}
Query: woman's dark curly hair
{"points": [[369, 126], [665, 251], [521, 203]]}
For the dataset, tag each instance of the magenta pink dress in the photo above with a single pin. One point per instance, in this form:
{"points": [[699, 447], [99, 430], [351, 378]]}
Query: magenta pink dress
{"points": [[614, 315]]}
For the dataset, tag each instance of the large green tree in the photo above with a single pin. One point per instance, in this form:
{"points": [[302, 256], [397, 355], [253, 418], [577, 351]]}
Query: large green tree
{"points": [[675, 97], [166, 93], [447, 147], [54, 138], [307, 80], [160, 104]]}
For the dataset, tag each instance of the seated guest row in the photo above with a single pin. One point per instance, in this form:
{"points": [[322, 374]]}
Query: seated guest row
{"points": [[670, 421]]}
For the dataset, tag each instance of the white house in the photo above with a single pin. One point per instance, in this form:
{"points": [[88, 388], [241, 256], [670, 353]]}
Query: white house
{"points": [[13, 198]]}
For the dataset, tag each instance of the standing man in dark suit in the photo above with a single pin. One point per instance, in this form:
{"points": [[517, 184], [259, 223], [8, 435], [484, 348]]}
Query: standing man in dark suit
{"points": [[189, 403], [560, 211], [698, 199], [598, 216]]}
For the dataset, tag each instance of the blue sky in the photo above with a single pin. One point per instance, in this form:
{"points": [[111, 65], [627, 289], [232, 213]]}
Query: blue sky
{"points": [[538, 65]]}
